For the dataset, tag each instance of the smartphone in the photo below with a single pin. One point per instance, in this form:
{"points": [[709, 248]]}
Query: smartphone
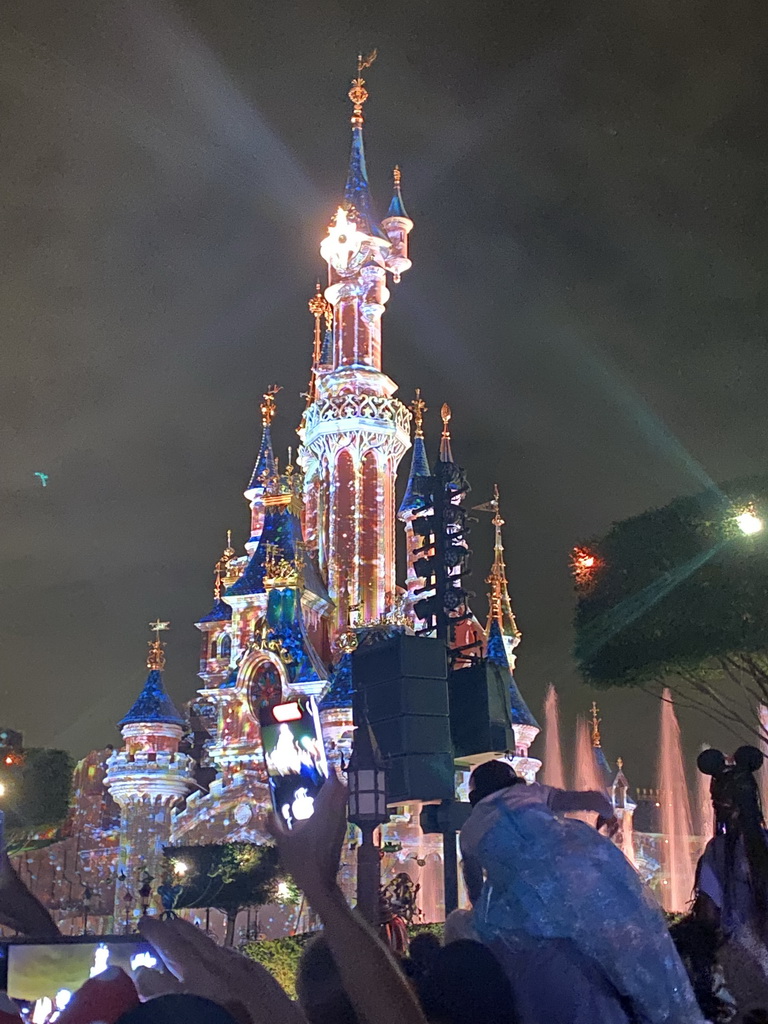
{"points": [[31, 970], [294, 754]]}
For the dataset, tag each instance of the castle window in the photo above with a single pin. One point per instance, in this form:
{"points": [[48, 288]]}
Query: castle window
{"points": [[212, 648], [225, 646]]}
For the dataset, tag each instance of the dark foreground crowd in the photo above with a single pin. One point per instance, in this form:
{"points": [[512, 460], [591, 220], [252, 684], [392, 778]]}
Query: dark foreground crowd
{"points": [[561, 929]]}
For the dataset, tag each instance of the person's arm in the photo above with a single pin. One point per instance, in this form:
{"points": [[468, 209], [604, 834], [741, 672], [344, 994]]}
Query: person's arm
{"points": [[196, 964], [19, 909], [310, 852], [563, 801]]}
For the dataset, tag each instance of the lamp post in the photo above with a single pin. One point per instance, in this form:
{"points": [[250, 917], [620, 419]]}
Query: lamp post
{"points": [[367, 804]]}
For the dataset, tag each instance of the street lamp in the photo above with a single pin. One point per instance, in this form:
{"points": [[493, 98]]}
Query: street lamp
{"points": [[367, 805]]}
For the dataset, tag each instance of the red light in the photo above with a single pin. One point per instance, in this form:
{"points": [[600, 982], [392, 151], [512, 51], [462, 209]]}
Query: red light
{"points": [[287, 712], [585, 566], [9, 759]]}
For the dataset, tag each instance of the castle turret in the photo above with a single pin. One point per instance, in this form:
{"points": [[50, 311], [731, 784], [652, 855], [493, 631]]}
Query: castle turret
{"points": [[624, 808], [398, 225], [147, 779], [354, 432], [524, 725], [264, 469], [216, 641]]}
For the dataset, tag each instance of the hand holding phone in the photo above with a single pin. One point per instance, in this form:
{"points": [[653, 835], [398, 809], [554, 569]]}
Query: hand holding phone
{"points": [[294, 755]]}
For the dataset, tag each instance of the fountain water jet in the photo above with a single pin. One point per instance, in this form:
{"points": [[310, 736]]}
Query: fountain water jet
{"points": [[704, 807], [554, 773], [676, 859]]}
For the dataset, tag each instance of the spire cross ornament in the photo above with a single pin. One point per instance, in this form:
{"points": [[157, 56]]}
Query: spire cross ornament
{"points": [[228, 550], [445, 416], [418, 407], [358, 94], [156, 655], [595, 724], [268, 404]]}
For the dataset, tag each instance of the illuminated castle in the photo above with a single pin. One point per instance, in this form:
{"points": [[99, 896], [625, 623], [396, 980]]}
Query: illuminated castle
{"points": [[318, 566]]}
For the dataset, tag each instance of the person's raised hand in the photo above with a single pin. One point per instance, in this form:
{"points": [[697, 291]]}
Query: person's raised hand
{"points": [[197, 965], [311, 851]]}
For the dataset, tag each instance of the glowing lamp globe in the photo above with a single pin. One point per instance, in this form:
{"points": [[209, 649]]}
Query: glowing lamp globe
{"points": [[749, 522]]}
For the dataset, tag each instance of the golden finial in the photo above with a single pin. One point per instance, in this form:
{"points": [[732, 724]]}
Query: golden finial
{"points": [[229, 551], [620, 763], [396, 176], [218, 570], [358, 94], [268, 404], [156, 654], [318, 303], [595, 724], [418, 407], [445, 416]]}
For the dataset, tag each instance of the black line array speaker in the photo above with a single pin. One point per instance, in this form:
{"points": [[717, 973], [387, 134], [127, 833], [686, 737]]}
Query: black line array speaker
{"points": [[404, 683], [480, 722]]}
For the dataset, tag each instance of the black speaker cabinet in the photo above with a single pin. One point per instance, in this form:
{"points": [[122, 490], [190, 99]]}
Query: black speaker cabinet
{"points": [[480, 722]]}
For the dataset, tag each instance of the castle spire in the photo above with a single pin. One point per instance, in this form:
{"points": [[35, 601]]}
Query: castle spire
{"points": [[499, 602], [417, 490], [264, 468], [357, 194], [446, 455], [396, 206]]}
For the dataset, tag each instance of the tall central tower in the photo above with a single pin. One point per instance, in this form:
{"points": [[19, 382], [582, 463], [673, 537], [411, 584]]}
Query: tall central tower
{"points": [[354, 432]]}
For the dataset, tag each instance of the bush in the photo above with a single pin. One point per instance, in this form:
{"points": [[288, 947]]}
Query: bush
{"points": [[281, 956]]}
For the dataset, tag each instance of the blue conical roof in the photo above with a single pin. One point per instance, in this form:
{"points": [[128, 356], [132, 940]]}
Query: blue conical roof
{"points": [[396, 207], [495, 653], [220, 612], [282, 528], [339, 693], [356, 190], [153, 704], [417, 491], [264, 467]]}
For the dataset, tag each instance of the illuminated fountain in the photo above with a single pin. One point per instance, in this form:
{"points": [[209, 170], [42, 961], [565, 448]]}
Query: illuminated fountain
{"points": [[554, 773], [676, 828], [704, 812]]}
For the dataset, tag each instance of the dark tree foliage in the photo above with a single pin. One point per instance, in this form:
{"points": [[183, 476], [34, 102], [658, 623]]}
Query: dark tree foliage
{"points": [[227, 877], [38, 790], [680, 591]]}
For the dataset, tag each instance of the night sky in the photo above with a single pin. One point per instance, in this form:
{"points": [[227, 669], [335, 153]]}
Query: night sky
{"points": [[588, 293]]}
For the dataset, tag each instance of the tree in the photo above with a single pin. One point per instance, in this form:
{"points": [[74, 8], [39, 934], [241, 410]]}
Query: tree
{"points": [[227, 877], [38, 788], [679, 595]]}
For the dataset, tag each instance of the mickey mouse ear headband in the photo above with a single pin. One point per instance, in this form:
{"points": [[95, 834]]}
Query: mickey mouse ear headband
{"points": [[711, 762], [745, 759]]}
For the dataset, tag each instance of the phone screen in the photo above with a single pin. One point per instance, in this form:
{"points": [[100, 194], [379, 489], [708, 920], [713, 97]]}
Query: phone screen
{"points": [[56, 970], [295, 757]]}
